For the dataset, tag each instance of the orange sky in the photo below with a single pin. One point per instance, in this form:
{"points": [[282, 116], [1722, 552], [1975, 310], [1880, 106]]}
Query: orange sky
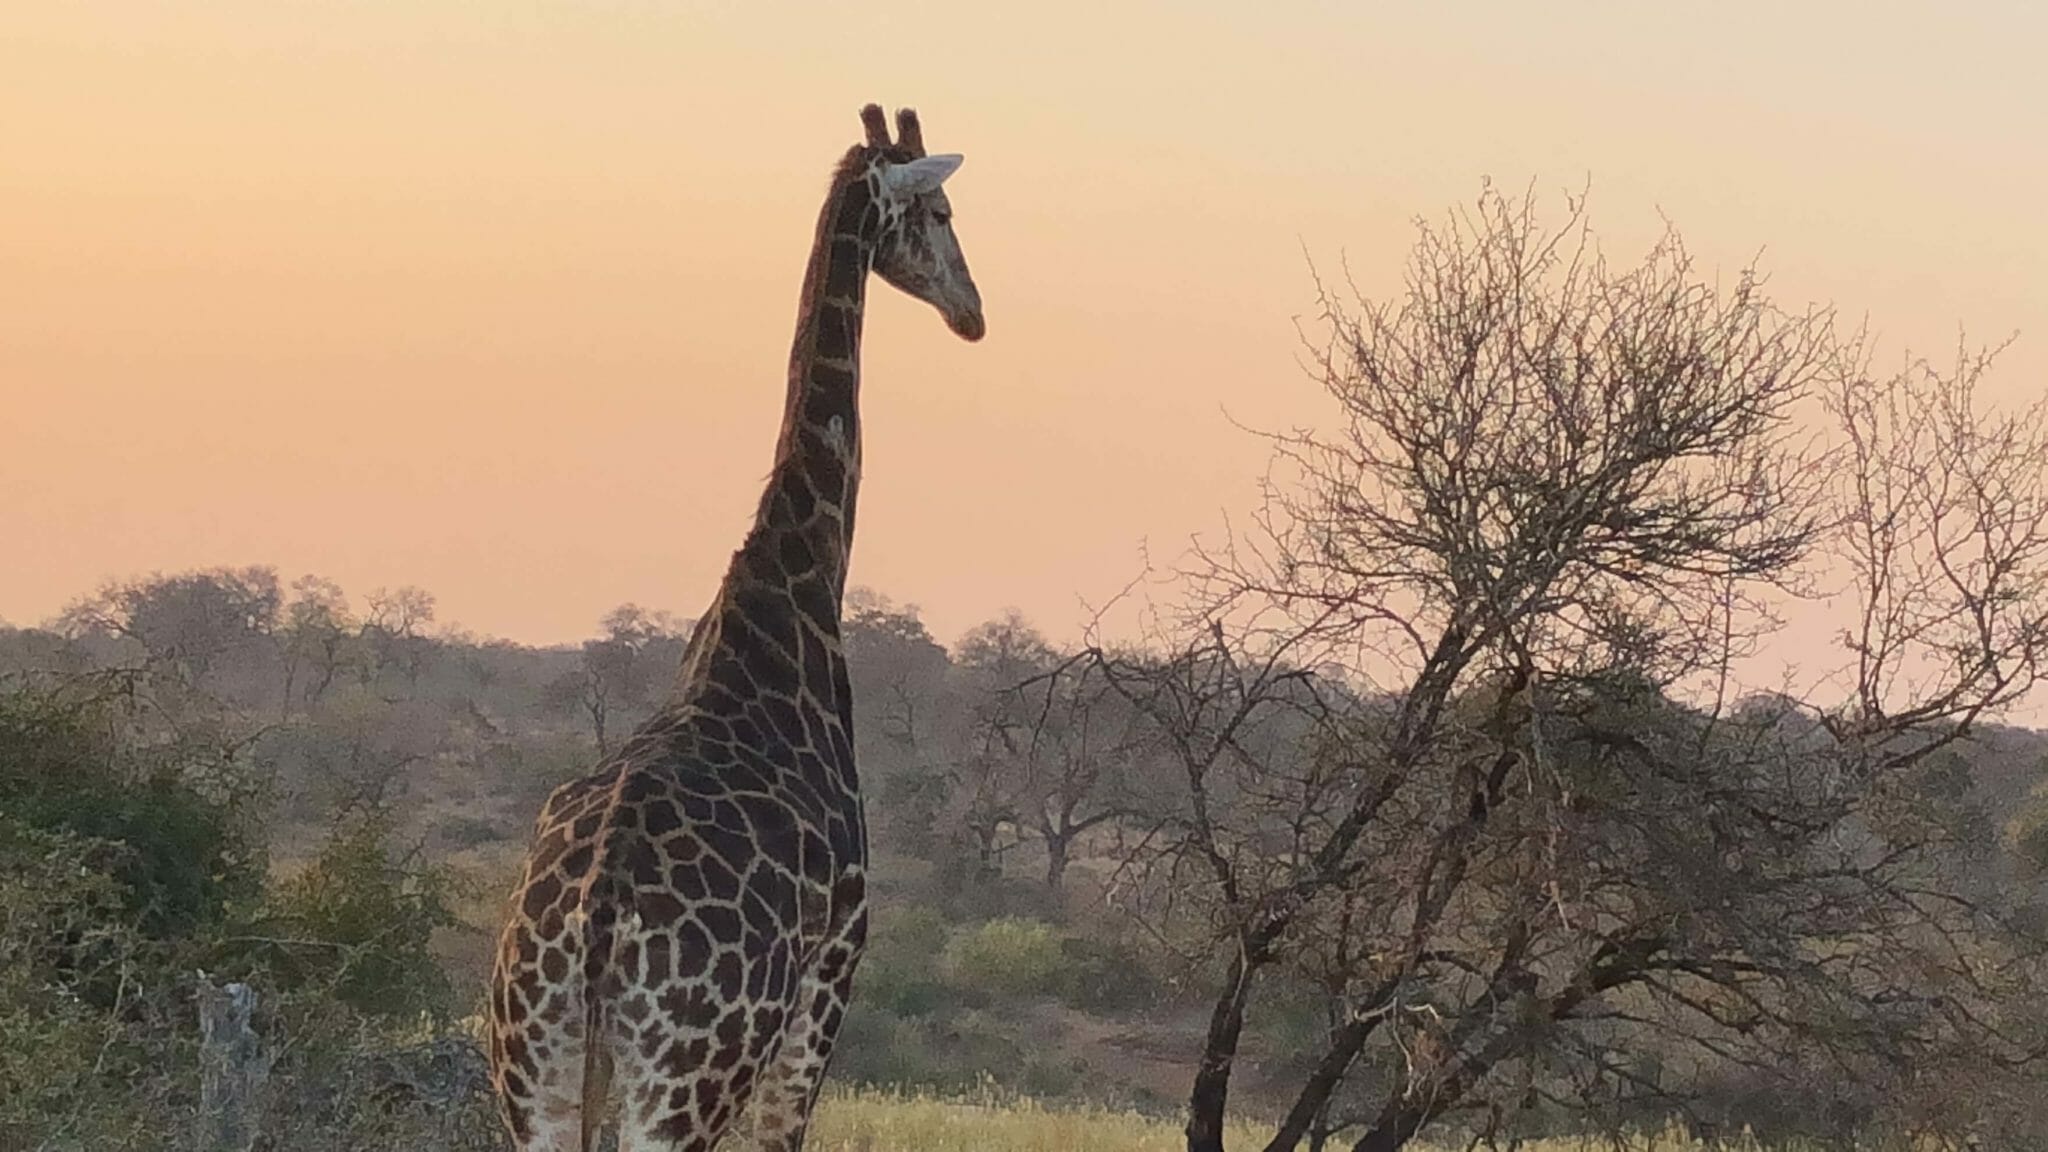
{"points": [[495, 298]]}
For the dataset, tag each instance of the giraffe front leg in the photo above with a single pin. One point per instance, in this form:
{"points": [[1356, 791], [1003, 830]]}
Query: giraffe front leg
{"points": [[788, 1091]]}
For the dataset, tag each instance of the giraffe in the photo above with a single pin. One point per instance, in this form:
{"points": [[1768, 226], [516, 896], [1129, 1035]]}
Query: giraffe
{"points": [[692, 911]]}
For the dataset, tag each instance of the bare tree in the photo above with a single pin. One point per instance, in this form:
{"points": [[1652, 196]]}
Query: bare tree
{"points": [[1533, 840], [622, 672], [318, 631], [1058, 748], [395, 631]]}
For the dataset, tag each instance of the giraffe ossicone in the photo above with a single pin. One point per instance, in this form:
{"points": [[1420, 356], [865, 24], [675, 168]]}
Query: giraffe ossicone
{"points": [[686, 929]]}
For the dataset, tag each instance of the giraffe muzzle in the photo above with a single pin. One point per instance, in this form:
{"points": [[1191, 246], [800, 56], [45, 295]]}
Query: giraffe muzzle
{"points": [[968, 326]]}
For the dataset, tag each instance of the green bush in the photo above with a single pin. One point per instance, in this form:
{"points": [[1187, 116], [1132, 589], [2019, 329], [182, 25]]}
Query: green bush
{"points": [[1006, 958], [898, 973], [84, 1059], [359, 924], [178, 848], [1105, 975]]}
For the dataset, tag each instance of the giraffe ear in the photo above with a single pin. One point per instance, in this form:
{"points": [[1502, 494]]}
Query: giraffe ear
{"points": [[919, 176]]}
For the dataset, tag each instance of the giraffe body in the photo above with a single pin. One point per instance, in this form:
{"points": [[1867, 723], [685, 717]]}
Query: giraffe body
{"points": [[692, 912]]}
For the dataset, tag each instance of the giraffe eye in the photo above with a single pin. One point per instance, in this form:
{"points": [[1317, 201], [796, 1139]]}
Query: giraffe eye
{"points": [[941, 216]]}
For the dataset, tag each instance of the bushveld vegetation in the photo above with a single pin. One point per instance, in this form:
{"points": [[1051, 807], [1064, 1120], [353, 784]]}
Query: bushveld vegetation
{"points": [[1426, 811]]}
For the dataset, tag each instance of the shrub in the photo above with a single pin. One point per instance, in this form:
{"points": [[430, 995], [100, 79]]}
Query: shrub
{"points": [[183, 858], [360, 925], [1006, 958], [1105, 975], [897, 974], [84, 1059]]}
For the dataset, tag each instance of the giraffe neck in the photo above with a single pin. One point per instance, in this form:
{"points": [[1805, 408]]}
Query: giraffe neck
{"points": [[787, 582], [811, 493]]}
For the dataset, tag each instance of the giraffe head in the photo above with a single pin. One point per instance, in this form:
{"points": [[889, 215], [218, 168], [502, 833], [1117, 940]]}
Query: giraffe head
{"points": [[915, 248]]}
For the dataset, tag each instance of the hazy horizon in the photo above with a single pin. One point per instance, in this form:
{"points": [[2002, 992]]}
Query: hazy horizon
{"points": [[498, 303]]}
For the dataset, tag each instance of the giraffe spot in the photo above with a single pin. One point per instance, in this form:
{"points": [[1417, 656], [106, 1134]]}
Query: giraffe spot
{"points": [[585, 827], [554, 965], [757, 981], [851, 889], [725, 974], [635, 1009], [661, 818], [577, 861], [685, 848], [629, 960], [843, 275], [732, 1028], [689, 1006], [529, 948], [646, 868], [777, 983], [659, 909], [539, 895], [796, 554], [696, 809], [676, 1126], [660, 959], [721, 922]]}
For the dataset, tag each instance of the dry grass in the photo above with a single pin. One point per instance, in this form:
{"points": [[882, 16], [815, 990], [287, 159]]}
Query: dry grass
{"points": [[874, 1121], [878, 1121]]}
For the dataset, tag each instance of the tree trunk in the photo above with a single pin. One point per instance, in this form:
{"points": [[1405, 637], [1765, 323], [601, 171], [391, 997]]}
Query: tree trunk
{"points": [[1312, 1104], [1058, 845], [233, 1068], [1211, 1092]]}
